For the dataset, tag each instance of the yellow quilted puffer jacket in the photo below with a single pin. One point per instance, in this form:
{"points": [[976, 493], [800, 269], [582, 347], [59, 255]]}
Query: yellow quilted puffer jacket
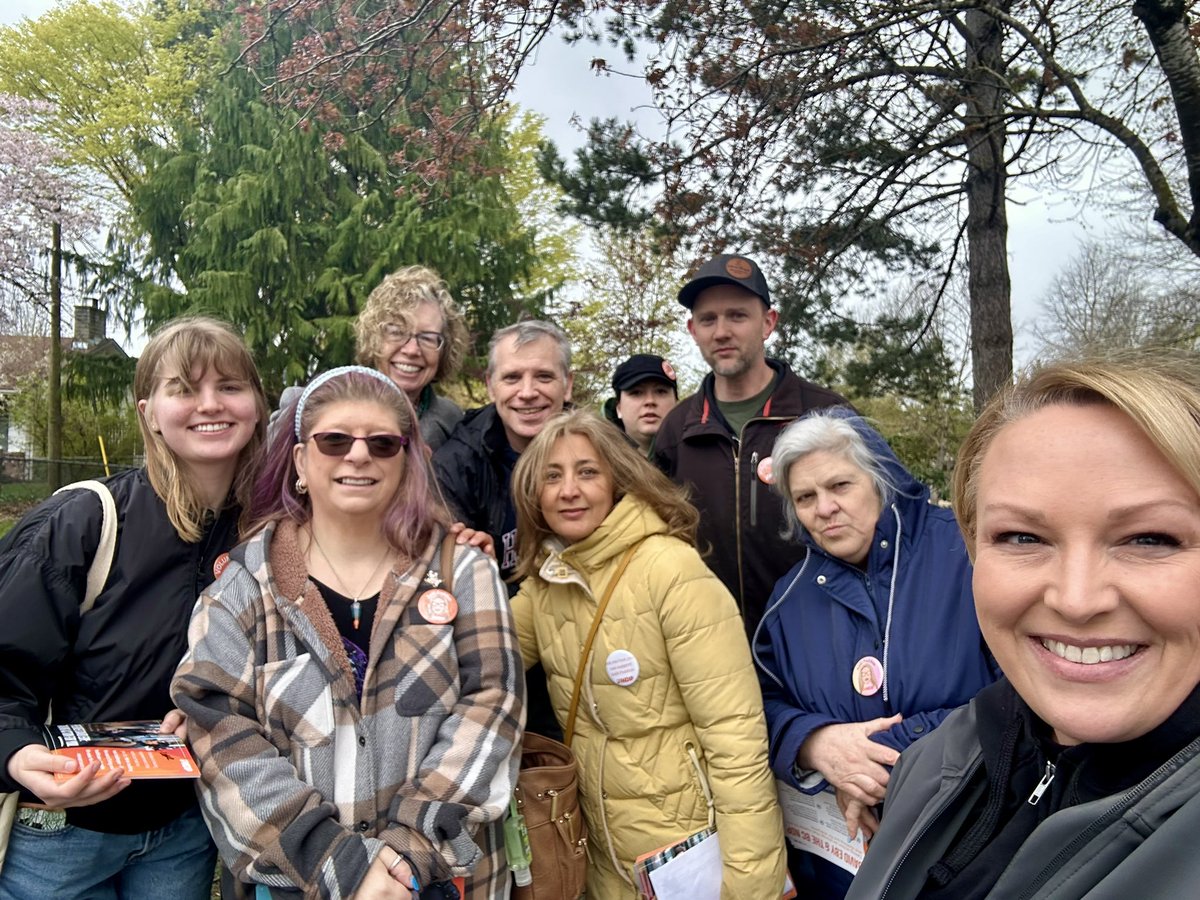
{"points": [[670, 700]]}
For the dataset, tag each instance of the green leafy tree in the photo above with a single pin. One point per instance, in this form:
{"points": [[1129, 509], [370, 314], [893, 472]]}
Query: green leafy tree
{"points": [[905, 373], [624, 303], [117, 74], [87, 418], [282, 221]]}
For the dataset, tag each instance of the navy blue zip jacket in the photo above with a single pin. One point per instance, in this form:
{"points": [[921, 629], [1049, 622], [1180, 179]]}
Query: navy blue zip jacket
{"points": [[911, 608]]}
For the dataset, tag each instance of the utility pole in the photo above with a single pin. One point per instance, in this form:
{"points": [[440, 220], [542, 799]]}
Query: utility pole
{"points": [[54, 424]]}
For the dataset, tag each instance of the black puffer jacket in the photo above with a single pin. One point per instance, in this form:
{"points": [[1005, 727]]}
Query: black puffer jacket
{"points": [[116, 662], [740, 520]]}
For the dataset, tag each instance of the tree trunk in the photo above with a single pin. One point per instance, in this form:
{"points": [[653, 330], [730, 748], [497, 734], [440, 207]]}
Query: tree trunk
{"points": [[987, 218], [1167, 25], [54, 419]]}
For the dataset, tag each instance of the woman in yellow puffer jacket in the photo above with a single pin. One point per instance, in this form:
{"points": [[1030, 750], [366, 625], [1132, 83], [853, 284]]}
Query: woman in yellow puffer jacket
{"points": [[670, 713]]}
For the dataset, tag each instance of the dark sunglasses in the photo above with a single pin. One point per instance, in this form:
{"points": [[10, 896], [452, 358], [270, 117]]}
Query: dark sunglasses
{"points": [[380, 446]]}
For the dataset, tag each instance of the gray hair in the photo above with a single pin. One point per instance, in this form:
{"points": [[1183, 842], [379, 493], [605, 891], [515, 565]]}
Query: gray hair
{"points": [[527, 332], [827, 431]]}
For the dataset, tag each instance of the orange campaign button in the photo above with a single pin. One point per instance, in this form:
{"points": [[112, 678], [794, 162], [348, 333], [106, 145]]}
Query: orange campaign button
{"points": [[438, 607], [219, 564]]}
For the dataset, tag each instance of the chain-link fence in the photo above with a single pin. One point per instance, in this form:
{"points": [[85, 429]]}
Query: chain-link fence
{"points": [[31, 470]]}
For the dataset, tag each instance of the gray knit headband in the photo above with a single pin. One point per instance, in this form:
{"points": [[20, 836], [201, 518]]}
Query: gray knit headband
{"points": [[335, 373]]}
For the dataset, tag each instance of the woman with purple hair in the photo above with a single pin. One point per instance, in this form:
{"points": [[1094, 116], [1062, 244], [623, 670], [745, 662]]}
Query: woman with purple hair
{"points": [[355, 720]]}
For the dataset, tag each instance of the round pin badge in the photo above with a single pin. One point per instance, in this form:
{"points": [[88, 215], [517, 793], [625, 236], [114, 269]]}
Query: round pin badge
{"points": [[667, 370], [219, 564], [438, 607], [766, 470], [738, 268], [622, 668], [867, 676]]}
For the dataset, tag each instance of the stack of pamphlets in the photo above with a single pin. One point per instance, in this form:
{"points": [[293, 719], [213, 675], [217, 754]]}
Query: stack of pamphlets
{"points": [[664, 873]]}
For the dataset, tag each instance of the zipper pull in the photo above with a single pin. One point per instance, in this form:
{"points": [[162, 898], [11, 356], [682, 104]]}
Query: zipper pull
{"points": [[1042, 785]]}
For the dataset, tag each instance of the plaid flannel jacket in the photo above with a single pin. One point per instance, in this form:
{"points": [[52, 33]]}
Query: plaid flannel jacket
{"points": [[300, 785]]}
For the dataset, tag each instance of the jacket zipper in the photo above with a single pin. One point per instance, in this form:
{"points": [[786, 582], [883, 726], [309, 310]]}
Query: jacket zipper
{"points": [[962, 785], [1114, 812], [754, 489], [737, 522], [1042, 785]]}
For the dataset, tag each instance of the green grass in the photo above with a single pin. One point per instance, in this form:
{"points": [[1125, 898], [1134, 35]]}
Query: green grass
{"points": [[21, 492], [17, 498]]}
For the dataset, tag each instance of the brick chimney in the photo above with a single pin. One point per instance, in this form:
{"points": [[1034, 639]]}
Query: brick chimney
{"points": [[89, 324]]}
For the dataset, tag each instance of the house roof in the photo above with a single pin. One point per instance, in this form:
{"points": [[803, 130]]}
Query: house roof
{"points": [[23, 354]]}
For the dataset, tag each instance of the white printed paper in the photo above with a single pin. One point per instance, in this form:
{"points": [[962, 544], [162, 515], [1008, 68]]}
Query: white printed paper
{"points": [[692, 875], [814, 823]]}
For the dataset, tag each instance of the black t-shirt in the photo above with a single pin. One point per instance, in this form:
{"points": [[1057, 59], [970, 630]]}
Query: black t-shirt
{"points": [[356, 640]]}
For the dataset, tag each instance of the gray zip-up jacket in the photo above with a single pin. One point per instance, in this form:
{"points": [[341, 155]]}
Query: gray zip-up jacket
{"points": [[1139, 843]]}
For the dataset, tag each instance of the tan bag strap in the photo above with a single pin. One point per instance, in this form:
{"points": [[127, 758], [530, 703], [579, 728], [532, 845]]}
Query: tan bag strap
{"points": [[447, 564], [101, 563], [569, 731]]}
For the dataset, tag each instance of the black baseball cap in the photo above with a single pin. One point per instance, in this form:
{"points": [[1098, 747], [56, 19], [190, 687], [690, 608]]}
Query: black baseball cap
{"points": [[643, 367], [726, 269]]}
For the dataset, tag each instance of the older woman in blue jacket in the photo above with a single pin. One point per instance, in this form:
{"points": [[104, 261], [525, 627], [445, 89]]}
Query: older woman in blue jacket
{"points": [[871, 639]]}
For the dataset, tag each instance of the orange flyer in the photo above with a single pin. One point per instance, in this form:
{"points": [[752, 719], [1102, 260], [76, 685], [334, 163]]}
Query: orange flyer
{"points": [[136, 747]]}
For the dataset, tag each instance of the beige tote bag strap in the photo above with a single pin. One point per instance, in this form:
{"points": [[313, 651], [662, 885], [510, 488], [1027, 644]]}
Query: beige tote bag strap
{"points": [[102, 562], [569, 731]]}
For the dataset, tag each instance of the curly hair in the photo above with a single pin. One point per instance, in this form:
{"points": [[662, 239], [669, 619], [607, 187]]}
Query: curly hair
{"points": [[394, 301], [631, 473]]}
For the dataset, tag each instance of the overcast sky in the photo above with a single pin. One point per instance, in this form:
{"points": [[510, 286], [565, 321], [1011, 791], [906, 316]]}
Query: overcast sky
{"points": [[1043, 235]]}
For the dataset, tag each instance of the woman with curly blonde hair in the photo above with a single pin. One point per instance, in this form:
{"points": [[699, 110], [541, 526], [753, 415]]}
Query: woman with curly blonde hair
{"points": [[413, 331], [670, 734]]}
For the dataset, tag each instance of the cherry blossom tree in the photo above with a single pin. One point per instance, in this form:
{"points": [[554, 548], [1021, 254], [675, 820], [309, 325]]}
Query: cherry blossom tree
{"points": [[43, 209], [36, 192]]}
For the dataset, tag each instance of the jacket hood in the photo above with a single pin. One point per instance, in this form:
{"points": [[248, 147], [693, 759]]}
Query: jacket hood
{"points": [[609, 409], [911, 497], [481, 427], [906, 484]]}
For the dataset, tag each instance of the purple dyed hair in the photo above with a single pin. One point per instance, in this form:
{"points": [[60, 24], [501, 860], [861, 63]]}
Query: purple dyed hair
{"points": [[416, 511]]}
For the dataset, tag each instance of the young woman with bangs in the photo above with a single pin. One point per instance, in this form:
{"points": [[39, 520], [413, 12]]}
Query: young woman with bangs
{"points": [[202, 414]]}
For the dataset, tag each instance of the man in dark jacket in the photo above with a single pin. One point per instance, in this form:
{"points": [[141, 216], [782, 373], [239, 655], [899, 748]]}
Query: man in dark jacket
{"points": [[719, 440], [528, 381]]}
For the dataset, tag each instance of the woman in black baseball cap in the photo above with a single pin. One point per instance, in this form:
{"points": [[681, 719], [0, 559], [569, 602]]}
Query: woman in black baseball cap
{"points": [[646, 390]]}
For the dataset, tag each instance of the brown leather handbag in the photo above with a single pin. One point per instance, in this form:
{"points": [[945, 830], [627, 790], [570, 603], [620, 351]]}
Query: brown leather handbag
{"points": [[547, 793]]}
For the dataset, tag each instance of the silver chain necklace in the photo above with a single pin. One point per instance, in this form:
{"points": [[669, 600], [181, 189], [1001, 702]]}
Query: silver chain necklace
{"points": [[356, 598]]}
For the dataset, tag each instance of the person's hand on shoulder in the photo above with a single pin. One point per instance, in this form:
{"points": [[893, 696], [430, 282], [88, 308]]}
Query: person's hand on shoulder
{"points": [[480, 539], [34, 767]]}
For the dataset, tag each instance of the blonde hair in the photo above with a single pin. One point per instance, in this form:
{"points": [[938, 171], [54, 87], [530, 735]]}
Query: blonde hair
{"points": [[1159, 391], [395, 301], [178, 349], [631, 473]]}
